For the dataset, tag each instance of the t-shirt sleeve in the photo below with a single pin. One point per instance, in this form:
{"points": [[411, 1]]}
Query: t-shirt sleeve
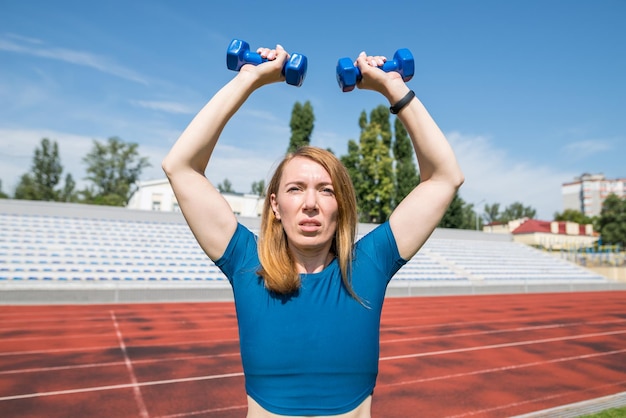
{"points": [[381, 247], [240, 252]]}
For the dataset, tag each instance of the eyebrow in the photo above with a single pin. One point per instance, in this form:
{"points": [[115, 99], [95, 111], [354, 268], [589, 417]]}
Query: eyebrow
{"points": [[302, 182]]}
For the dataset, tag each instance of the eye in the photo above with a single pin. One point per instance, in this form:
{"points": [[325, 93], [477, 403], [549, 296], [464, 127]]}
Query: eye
{"points": [[293, 189], [328, 191]]}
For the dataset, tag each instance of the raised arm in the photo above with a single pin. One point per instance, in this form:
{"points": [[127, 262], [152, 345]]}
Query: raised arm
{"points": [[209, 216], [416, 217]]}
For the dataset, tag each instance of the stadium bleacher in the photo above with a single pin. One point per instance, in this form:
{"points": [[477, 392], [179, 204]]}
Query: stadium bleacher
{"points": [[69, 252]]}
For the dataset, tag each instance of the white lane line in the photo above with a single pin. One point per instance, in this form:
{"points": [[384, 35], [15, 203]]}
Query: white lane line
{"points": [[143, 411], [497, 331], [115, 363], [543, 398], [205, 411], [91, 333], [121, 386], [503, 368], [503, 345], [107, 347], [461, 324]]}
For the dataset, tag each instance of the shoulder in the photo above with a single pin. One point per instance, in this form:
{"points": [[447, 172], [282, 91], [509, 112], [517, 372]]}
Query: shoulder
{"points": [[379, 247], [241, 249], [379, 235]]}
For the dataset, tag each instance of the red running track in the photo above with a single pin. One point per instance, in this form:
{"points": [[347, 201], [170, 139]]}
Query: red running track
{"points": [[459, 356]]}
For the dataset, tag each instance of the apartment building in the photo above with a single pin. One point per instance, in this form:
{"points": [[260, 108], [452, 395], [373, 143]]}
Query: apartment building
{"points": [[588, 192]]}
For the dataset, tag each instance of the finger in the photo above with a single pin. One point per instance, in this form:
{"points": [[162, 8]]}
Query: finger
{"points": [[264, 52], [281, 51], [378, 61], [271, 54]]}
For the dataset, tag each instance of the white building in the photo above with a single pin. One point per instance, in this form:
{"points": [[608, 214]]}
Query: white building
{"points": [[157, 195], [587, 193]]}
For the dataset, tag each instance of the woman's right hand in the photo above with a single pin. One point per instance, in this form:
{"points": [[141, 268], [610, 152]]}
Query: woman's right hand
{"points": [[270, 71]]}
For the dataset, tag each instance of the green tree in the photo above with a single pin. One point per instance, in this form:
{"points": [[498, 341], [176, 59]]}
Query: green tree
{"points": [[68, 193], [302, 123], [225, 187], [352, 162], [471, 219], [3, 195], [517, 210], [455, 216], [44, 176], [113, 168], [371, 165], [573, 215], [380, 116], [26, 188], [406, 171], [612, 220], [47, 169], [492, 212], [258, 188]]}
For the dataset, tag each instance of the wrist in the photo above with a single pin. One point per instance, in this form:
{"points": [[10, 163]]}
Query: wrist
{"points": [[400, 104]]}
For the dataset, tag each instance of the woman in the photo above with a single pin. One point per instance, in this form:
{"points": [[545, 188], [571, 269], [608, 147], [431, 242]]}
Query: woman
{"points": [[308, 298]]}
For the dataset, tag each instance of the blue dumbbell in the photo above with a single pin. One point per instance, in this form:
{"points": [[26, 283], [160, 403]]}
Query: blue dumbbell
{"points": [[348, 74], [238, 54]]}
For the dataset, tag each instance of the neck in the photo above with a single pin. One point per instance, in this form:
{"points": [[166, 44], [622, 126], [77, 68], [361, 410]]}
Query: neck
{"points": [[313, 263]]}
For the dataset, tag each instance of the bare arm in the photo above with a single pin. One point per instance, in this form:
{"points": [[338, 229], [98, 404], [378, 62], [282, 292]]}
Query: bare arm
{"points": [[208, 214], [416, 217]]}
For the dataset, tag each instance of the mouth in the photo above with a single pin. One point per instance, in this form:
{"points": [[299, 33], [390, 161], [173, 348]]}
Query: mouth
{"points": [[309, 225]]}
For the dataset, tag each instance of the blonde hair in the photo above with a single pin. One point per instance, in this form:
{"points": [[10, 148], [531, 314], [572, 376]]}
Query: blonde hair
{"points": [[278, 268]]}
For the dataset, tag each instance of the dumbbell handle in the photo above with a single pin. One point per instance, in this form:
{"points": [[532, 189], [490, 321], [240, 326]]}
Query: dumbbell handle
{"points": [[387, 67], [296, 65], [407, 70]]}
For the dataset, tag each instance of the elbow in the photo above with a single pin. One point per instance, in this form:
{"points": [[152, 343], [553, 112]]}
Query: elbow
{"points": [[166, 166], [170, 166], [458, 180], [454, 177]]}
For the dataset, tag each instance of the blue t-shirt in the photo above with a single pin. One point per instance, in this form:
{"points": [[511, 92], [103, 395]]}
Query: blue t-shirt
{"points": [[314, 352]]}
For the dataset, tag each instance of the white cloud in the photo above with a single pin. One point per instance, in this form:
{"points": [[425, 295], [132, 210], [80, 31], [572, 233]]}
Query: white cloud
{"points": [[583, 149], [27, 46], [263, 115], [18, 147], [491, 173], [497, 177], [25, 39], [164, 106], [241, 167]]}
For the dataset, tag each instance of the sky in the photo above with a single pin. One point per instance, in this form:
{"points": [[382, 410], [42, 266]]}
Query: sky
{"points": [[530, 94]]}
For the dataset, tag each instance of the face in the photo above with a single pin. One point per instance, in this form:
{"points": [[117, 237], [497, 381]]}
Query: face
{"points": [[306, 206]]}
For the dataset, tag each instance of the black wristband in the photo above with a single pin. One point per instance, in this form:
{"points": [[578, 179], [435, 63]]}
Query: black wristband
{"points": [[403, 102]]}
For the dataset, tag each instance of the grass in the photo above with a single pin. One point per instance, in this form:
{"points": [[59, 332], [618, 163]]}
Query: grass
{"points": [[609, 413]]}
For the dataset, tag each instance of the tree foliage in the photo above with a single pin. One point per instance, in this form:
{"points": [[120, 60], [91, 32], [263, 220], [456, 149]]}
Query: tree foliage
{"points": [[573, 215], [225, 187], [371, 165], [455, 215], [492, 213], [406, 172], [515, 210], [42, 182], [612, 221], [301, 124], [113, 168], [68, 193], [3, 195], [258, 188]]}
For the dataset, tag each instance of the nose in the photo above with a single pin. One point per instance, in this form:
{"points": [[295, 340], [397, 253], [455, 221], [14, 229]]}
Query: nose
{"points": [[310, 200]]}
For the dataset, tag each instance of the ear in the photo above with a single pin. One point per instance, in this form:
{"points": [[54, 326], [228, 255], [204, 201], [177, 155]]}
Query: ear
{"points": [[274, 204]]}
